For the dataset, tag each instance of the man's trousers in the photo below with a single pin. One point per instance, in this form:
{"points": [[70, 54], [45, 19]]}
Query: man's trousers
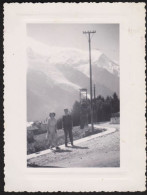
{"points": [[68, 132]]}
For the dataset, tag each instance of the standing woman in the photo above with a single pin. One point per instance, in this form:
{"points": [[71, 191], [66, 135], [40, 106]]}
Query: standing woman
{"points": [[52, 131]]}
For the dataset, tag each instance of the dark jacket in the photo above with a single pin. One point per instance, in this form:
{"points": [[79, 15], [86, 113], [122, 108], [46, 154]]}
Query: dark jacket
{"points": [[67, 122]]}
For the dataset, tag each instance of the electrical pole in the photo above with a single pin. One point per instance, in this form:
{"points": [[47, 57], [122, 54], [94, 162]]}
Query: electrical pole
{"points": [[90, 68], [94, 110], [94, 92]]}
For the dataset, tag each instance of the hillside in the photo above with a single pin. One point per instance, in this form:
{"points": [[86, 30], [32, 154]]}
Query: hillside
{"points": [[55, 75]]}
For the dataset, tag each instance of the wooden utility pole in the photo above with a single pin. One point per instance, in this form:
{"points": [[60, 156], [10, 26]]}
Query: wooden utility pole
{"points": [[89, 33], [94, 109], [94, 92]]}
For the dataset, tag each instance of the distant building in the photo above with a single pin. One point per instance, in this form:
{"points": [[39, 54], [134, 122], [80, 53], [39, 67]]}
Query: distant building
{"points": [[36, 127], [31, 126], [115, 118]]}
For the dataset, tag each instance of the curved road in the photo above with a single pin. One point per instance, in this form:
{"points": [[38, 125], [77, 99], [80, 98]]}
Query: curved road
{"points": [[101, 151]]}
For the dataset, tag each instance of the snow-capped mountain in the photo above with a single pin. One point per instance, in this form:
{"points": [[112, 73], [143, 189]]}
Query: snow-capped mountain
{"points": [[56, 74]]}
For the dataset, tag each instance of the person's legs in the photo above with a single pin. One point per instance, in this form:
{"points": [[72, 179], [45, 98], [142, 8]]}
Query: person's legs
{"points": [[65, 133], [71, 136], [55, 139], [48, 143], [51, 139]]}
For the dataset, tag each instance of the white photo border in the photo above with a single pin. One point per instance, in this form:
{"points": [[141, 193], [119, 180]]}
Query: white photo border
{"points": [[131, 174]]}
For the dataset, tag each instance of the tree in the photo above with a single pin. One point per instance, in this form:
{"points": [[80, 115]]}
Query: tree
{"points": [[103, 109], [76, 113], [59, 123], [115, 106], [99, 108], [107, 107]]}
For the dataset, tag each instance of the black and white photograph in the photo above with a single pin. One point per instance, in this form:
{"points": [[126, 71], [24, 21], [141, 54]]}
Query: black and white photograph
{"points": [[73, 101], [74, 97]]}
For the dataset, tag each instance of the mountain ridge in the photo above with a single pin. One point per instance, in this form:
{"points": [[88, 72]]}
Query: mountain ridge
{"points": [[56, 74]]}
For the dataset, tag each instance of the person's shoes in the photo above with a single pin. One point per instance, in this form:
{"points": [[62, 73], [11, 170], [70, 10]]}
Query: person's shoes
{"points": [[51, 147], [57, 148], [72, 145], [66, 145]]}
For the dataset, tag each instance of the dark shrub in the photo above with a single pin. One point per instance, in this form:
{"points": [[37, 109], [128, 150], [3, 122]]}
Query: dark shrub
{"points": [[30, 136], [39, 147]]}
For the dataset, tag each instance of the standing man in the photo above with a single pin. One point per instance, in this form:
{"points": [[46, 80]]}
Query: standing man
{"points": [[67, 126]]}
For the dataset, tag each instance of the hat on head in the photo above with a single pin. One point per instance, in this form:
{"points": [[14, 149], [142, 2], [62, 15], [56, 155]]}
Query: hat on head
{"points": [[65, 109]]}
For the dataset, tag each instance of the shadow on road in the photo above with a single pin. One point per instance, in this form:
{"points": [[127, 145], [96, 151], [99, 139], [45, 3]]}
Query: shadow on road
{"points": [[61, 150], [78, 147]]}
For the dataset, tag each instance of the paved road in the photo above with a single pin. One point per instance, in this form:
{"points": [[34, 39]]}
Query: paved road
{"points": [[99, 152]]}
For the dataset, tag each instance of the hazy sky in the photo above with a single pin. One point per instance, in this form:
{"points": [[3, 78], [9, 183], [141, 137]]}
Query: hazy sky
{"points": [[106, 38]]}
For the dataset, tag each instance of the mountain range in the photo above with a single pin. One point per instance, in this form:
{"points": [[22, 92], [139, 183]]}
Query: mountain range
{"points": [[55, 75]]}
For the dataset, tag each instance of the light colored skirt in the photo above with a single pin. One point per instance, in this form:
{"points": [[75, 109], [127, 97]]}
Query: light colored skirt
{"points": [[52, 137]]}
